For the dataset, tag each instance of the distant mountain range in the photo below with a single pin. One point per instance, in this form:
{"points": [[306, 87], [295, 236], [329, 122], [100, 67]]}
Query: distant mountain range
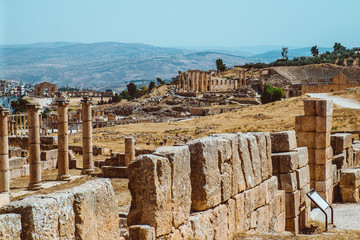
{"points": [[112, 65]]}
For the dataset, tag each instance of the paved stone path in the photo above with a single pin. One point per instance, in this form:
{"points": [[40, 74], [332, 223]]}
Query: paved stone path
{"points": [[340, 101], [346, 216]]}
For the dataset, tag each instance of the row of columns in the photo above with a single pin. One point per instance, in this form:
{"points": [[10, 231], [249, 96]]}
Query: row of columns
{"points": [[34, 144], [195, 81]]}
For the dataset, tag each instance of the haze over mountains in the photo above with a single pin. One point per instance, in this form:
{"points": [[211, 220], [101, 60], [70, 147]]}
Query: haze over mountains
{"points": [[112, 65]]}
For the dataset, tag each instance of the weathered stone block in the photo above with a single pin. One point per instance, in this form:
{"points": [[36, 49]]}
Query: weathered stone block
{"points": [[322, 140], [280, 223], [179, 158], [292, 225], [16, 163], [304, 199], [205, 174], [323, 171], [350, 195], [264, 144], [220, 222], [4, 198], [283, 141], [311, 152], [324, 108], [306, 139], [292, 204], [340, 160], [202, 225], [255, 158], [239, 212], [304, 217], [340, 142], [350, 178], [246, 161], [323, 124], [10, 226], [114, 171], [323, 155], [15, 152], [273, 186], [350, 157], [150, 188], [323, 186], [305, 123], [49, 154], [288, 182], [303, 176], [288, 161], [141, 232], [310, 107], [303, 156]]}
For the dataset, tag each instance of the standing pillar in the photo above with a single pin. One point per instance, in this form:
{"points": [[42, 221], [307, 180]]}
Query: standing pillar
{"points": [[188, 81], [129, 150], [14, 127], [201, 84], [63, 141], [88, 164], [4, 151], [34, 146], [210, 81], [244, 79], [240, 80], [180, 82]]}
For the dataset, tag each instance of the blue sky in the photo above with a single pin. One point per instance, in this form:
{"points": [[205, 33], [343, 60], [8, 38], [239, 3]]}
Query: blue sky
{"points": [[226, 23]]}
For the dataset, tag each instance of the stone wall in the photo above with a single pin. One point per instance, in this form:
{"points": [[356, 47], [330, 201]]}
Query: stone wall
{"points": [[290, 165], [88, 211], [211, 188]]}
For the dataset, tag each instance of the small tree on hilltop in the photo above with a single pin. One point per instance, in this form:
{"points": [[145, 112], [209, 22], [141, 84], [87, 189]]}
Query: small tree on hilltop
{"points": [[284, 53], [271, 94], [151, 86], [220, 65], [132, 90], [314, 51], [160, 81], [339, 47]]}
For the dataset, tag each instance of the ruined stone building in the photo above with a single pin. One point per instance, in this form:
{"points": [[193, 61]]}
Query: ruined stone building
{"points": [[297, 81], [45, 89]]}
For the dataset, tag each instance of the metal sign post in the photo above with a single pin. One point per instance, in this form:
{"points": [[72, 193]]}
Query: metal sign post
{"points": [[322, 204]]}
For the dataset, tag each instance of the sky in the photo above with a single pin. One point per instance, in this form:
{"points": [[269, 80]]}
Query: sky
{"points": [[195, 23]]}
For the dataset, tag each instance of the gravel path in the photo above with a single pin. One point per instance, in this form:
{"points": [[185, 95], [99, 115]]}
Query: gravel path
{"points": [[340, 101], [346, 216]]}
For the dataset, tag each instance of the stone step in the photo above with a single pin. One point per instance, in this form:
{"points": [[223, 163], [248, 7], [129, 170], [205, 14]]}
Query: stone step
{"points": [[114, 171]]}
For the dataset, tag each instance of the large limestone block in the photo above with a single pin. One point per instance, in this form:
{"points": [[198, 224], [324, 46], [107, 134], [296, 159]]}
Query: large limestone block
{"points": [[288, 182], [231, 218], [323, 186], [323, 155], [350, 195], [340, 160], [350, 178], [220, 223], [263, 219], [205, 174], [283, 141], [340, 142], [306, 139], [305, 123], [142, 232], [255, 158], [303, 156], [273, 186], [202, 224], [324, 108], [292, 225], [150, 188], [310, 107], [323, 124], [323, 140], [292, 204], [303, 176], [287, 161], [179, 158], [264, 143], [39, 217], [240, 212], [10, 226], [246, 161], [323, 171], [350, 157]]}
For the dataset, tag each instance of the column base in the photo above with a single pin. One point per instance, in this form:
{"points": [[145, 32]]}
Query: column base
{"points": [[87, 171], [35, 186], [63, 178]]}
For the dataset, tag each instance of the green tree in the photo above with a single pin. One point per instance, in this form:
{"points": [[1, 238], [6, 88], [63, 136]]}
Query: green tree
{"points": [[314, 51], [131, 87], [160, 81], [125, 94], [220, 65], [151, 86], [116, 98], [350, 62], [338, 47], [143, 90], [340, 61], [284, 53], [19, 105]]}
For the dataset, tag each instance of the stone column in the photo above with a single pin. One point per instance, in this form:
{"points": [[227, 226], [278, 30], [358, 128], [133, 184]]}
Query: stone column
{"points": [[210, 81], [240, 80], [188, 81], [201, 81], [180, 82], [63, 141], [4, 151], [14, 127], [129, 150], [88, 164], [244, 79], [34, 146]]}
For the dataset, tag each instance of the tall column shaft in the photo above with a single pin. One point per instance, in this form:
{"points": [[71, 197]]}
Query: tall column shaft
{"points": [[34, 146], [129, 150], [63, 141], [4, 151], [88, 164], [210, 82]]}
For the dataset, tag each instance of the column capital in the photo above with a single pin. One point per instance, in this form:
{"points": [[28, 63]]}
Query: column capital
{"points": [[4, 111], [62, 103], [33, 107], [86, 100]]}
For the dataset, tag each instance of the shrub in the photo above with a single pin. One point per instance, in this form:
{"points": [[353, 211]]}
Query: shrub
{"points": [[350, 62], [271, 94]]}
